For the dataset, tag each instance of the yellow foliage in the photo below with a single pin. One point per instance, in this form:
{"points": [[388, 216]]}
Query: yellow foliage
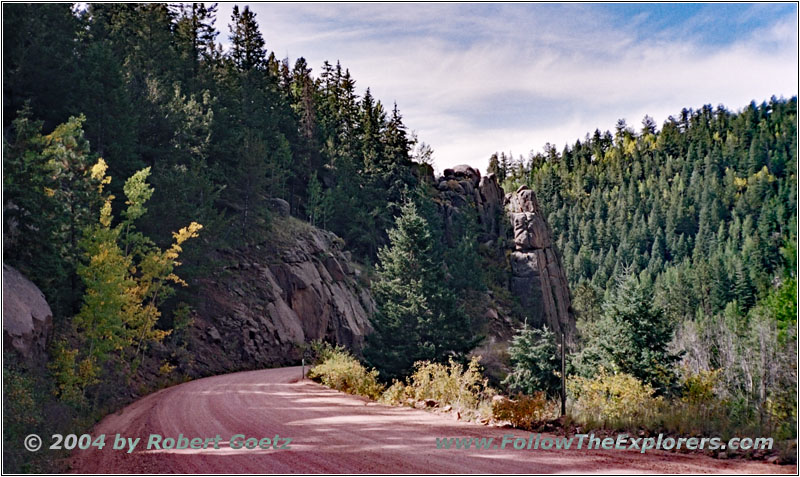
{"points": [[98, 173], [698, 388], [613, 400], [764, 174], [126, 278], [525, 412], [629, 145], [339, 370], [447, 384], [450, 384], [166, 369], [72, 376], [396, 393]]}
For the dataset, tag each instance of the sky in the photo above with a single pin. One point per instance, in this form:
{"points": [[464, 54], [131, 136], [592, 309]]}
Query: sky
{"points": [[474, 79]]}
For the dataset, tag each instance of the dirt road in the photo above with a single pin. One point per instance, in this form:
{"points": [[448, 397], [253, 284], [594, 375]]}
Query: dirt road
{"points": [[333, 432]]}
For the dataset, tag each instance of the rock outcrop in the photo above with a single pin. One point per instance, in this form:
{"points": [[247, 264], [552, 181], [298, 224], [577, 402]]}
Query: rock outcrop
{"points": [[463, 186], [27, 318], [538, 279], [300, 285], [275, 297]]}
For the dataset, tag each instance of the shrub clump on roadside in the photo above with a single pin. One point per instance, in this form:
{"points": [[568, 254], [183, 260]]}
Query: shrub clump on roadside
{"points": [[698, 409], [526, 411], [613, 401], [452, 384], [338, 369]]}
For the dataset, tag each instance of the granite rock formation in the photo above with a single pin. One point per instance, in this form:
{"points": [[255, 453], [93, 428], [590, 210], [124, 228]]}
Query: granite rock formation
{"points": [[27, 318], [274, 297], [300, 285], [462, 186], [537, 279]]}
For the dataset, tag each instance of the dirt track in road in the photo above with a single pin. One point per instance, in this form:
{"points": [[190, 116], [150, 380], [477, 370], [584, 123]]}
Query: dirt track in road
{"points": [[337, 433]]}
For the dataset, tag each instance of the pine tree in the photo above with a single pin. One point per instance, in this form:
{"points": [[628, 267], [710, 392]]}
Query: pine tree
{"points": [[196, 36], [247, 50], [631, 337], [40, 66], [417, 317], [49, 199], [534, 362]]}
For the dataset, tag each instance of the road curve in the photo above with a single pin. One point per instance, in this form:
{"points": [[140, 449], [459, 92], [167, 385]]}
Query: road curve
{"points": [[333, 432]]}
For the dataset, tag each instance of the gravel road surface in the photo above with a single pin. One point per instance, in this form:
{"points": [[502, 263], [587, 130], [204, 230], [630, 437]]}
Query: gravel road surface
{"points": [[333, 432]]}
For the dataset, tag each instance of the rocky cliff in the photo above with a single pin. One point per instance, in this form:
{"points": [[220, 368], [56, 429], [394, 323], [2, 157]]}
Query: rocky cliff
{"points": [[512, 223], [271, 298], [461, 189], [537, 279]]}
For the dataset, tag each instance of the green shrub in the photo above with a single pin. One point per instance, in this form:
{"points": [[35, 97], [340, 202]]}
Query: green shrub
{"points": [[615, 401], [22, 415], [338, 369]]}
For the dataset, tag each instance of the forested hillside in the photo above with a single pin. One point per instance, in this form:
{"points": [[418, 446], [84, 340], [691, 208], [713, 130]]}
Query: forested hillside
{"points": [[688, 230], [223, 132], [129, 129], [157, 90]]}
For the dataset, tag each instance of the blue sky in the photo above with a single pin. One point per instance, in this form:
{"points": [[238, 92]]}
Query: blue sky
{"points": [[472, 79]]}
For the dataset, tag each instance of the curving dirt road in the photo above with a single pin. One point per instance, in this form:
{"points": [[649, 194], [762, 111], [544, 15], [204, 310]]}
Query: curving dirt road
{"points": [[337, 433]]}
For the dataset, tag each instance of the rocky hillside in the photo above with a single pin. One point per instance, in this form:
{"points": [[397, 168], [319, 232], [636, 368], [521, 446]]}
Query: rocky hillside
{"points": [[300, 284], [297, 286]]}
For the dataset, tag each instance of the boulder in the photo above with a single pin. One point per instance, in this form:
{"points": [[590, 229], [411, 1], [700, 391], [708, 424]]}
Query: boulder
{"points": [[469, 172], [279, 206], [27, 318], [214, 334]]}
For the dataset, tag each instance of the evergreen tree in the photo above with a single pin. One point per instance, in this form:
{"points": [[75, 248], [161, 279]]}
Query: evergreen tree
{"points": [[417, 317], [39, 62], [534, 362], [48, 200], [632, 336], [247, 50]]}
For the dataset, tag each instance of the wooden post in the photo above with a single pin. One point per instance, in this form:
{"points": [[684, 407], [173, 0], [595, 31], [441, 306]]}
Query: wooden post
{"points": [[563, 376]]}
